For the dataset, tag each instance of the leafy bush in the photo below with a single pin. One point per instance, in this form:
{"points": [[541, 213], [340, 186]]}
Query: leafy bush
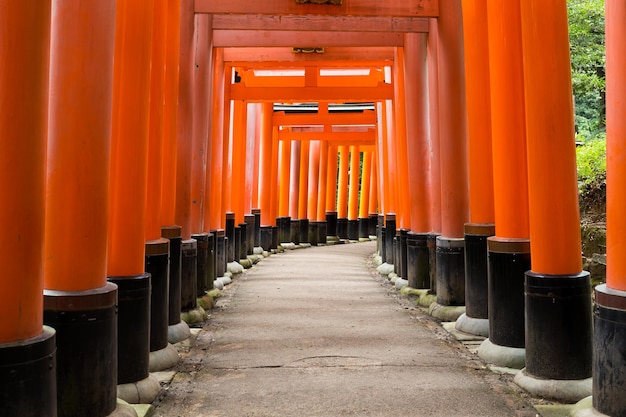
{"points": [[591, 164]]}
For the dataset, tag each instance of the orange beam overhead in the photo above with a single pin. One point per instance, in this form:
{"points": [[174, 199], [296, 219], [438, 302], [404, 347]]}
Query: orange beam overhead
{"points": [[320, 23], [387, 8], [368, 117], [284, 57], [303, 94], [368, 136], [267, 38]]}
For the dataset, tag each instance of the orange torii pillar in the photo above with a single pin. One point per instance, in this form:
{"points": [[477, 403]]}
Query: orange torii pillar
{"points": [[313, 178], [373, 197], [303, 190], [322, 193], [201, 127], [366, 177], [250, 167], [418, 168], [475, 320], [294, 194], [238, 169], [391, 172], [342, 192], [266, 143], [26, 345], [178, 329], [435, 163], [331, 193], [609, 335], [558, 291], [453, 137], [353, 193], [78, 301], [509, 249], [283, 221], [189, 248], [162, 354], [383, 181], [127, 207]]}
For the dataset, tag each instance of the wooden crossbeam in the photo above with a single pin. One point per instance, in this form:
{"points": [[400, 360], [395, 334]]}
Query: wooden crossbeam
{"points": [[306, 94], [267, 38], [367, 117], [380, 8], [333, 57], [347, 137]]}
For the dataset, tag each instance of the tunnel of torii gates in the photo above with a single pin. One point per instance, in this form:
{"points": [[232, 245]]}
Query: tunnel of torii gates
{"points": [[147, 146]]}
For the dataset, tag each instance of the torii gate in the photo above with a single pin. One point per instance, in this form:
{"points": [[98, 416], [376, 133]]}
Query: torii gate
{"points": [[94, 210]]}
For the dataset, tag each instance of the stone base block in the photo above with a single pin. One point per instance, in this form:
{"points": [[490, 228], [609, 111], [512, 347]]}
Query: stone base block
{"points": [[163, 359], [565, 390], [140, 392], [504, 356], [471, 325], [178, 332]]}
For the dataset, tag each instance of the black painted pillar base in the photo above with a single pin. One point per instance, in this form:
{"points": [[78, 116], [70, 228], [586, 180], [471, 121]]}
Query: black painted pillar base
{"points": [[284, 229], [133, 329], [157, 265], [364, 225], [174, 235], [431, 244], [243, 242], [250, 231], [558, 336], [396, 253], [342, 228], [380, 243], [313, 233], [403, 253], [353, 229], [275, 238], [509, 259], [237, 245], [266, 237], [295, 231], [188, 293], [202, 262], [390, 233], [372, 223], [28, 376], [609, 351], [256, 212], [475, 320], [86, 338], [450, 271], [418, 267], [229, 227], [304, 231], [331, 222], [220, 253], [322, 232], [211, 262]]}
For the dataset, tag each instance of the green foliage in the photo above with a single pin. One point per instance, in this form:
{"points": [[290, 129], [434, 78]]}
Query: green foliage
{"points": [[587, 51], [591, 164]]}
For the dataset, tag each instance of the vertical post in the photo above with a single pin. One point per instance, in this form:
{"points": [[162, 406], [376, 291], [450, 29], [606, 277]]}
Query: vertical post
{"points": [[78, 301], [215, 167], [453, 142], [294, 180], [401, 122], [609, 364], [342, 193], [128, 173], [26, 345], [313, 177], [331, 193], [366, 177], [558, 292], [303, 189], [509, 249], [353, 193], [265, 164], [321, 193], [481, 225], [284, 222], [239, 124]]}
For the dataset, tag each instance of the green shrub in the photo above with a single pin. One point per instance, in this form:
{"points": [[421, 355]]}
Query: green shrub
{"points": [[591, 164]]}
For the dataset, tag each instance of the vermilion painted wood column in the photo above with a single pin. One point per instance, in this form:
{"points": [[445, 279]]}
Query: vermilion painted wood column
{"points": [[475, 320], [78, 301], [558, 292], [189, 249], [238, 164], [373, 199], [213, 213], [353, 193], [303, 206], [294, 180], [453, 142], [415, 70], [609, 363], [322, 192], [313, 178], [331, 192], [265, 163], [178, 330], [509, 250], [342, 193], [435, 165], [401, 161], [283, 221], [128, 173], [26, 345], [366, 177]]}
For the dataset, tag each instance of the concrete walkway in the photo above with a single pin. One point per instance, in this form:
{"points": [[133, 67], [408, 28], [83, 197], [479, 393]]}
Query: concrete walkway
{"points": [[313, 332]]}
